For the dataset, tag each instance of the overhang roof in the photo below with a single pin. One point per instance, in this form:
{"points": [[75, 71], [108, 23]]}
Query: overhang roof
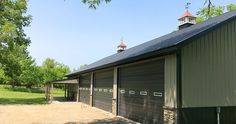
{"points": [[161, 45], [65, 81]]}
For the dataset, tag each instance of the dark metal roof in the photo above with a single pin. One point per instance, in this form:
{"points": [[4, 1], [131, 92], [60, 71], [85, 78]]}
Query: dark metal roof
{"points": [[159, 45]]}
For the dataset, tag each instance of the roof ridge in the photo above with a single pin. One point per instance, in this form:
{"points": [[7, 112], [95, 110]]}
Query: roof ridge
{"points": [[163, 42]]}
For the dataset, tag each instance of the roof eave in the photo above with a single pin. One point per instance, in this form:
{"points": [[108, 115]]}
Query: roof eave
{"points": [[160, 52]]}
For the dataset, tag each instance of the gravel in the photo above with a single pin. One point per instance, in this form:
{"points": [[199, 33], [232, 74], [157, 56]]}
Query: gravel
{"points": [[57, 113]]}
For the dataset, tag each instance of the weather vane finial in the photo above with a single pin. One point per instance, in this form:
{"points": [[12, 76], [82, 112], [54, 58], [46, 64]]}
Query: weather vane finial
{"points": [[187, 6], [122, 39]]}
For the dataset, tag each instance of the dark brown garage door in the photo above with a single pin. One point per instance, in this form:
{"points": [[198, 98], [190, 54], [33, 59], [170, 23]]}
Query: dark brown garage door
{"points": [[103, 83], [84, 88], [141, 92]]}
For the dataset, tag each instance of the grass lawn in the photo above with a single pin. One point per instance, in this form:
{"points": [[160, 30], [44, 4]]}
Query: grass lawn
{"points": [[21, 95]]}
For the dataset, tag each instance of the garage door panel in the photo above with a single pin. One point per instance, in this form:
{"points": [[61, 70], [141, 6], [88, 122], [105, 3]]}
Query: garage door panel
{"points": [[84, 96], [103, 85], [141, 88], [102, 97], [84, 89], [141, 78]]}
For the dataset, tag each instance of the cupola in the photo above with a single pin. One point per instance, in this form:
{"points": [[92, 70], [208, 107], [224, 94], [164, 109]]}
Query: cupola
{"points": [[187, 19], [121, 47]]}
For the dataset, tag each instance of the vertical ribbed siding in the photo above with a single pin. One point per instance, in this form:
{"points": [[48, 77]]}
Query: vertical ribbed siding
{"points": [[170, 81], [228, 115], [206, 115], [209, 69]]}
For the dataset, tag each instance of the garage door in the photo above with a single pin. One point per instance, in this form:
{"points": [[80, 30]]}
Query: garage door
{"points": [[103, 85], [141, 92], [84, 88]]}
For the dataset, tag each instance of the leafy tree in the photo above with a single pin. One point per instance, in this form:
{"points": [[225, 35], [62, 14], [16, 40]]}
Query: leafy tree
{"points": [[94, 3], [3, 77], [11, 63], [203, 14], [31, 74], [53, 70], [16, 65], [13, 20], [19, 67], [13, 40], [209, 4], [231, 7]]}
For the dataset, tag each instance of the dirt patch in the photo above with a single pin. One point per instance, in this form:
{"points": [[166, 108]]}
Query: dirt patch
{"points": [[56, 113]]}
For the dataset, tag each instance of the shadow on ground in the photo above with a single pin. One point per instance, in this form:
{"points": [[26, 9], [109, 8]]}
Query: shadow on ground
{"points": [[115, 120], [62, 99], [13, 101]]}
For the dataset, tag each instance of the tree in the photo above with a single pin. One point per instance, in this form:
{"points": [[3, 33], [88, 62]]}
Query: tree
{"points": [[13, 40], [17, 67], [231, 7], [53, 70], [10, 60], [31, 74], [3, 77], [13, 20], [209, 4], [94, 3], [203, 14]]}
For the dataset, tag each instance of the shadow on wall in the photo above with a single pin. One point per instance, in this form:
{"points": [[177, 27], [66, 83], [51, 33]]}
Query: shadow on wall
{"points": [[115, 120]]}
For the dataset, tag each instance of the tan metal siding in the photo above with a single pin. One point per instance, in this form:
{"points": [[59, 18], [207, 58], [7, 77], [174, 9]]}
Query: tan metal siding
{"points": [[170, 81], [209, 69]]}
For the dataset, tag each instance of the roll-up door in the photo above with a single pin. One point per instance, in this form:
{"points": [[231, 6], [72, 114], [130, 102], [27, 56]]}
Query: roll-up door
{"points": [[141, 92], [84, 88], [103, 85]]}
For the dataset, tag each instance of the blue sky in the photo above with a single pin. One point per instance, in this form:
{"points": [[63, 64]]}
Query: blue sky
{"points": [[69, 32]]}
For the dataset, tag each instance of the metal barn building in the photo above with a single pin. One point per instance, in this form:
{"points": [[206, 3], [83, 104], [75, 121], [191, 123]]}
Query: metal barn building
{"points": [[185, 77]]}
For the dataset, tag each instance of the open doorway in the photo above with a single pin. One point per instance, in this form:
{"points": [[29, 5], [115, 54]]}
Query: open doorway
{"points": [[62, 90]]}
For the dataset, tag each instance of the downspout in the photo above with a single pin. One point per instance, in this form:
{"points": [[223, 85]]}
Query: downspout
{"points": [[179, 85], [218, 114]]}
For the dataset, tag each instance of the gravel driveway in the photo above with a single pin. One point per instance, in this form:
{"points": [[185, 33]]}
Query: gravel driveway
{"points": [[56, 113]]}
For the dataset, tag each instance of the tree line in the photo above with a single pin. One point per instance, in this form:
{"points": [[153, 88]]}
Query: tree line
{"points": [[17, 67]]}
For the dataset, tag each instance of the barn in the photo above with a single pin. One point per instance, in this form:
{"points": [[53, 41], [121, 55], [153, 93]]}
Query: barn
{"points": [[185, 77]]}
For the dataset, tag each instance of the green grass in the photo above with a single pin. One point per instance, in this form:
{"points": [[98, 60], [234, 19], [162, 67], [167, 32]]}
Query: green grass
{"points": [[21, 95]]}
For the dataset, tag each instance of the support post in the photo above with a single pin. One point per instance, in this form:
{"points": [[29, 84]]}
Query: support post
{"points": [[114, 98], [68, 97], [77, 97], [51, 93], [91, 90], [47, 93], [65, 91]]}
